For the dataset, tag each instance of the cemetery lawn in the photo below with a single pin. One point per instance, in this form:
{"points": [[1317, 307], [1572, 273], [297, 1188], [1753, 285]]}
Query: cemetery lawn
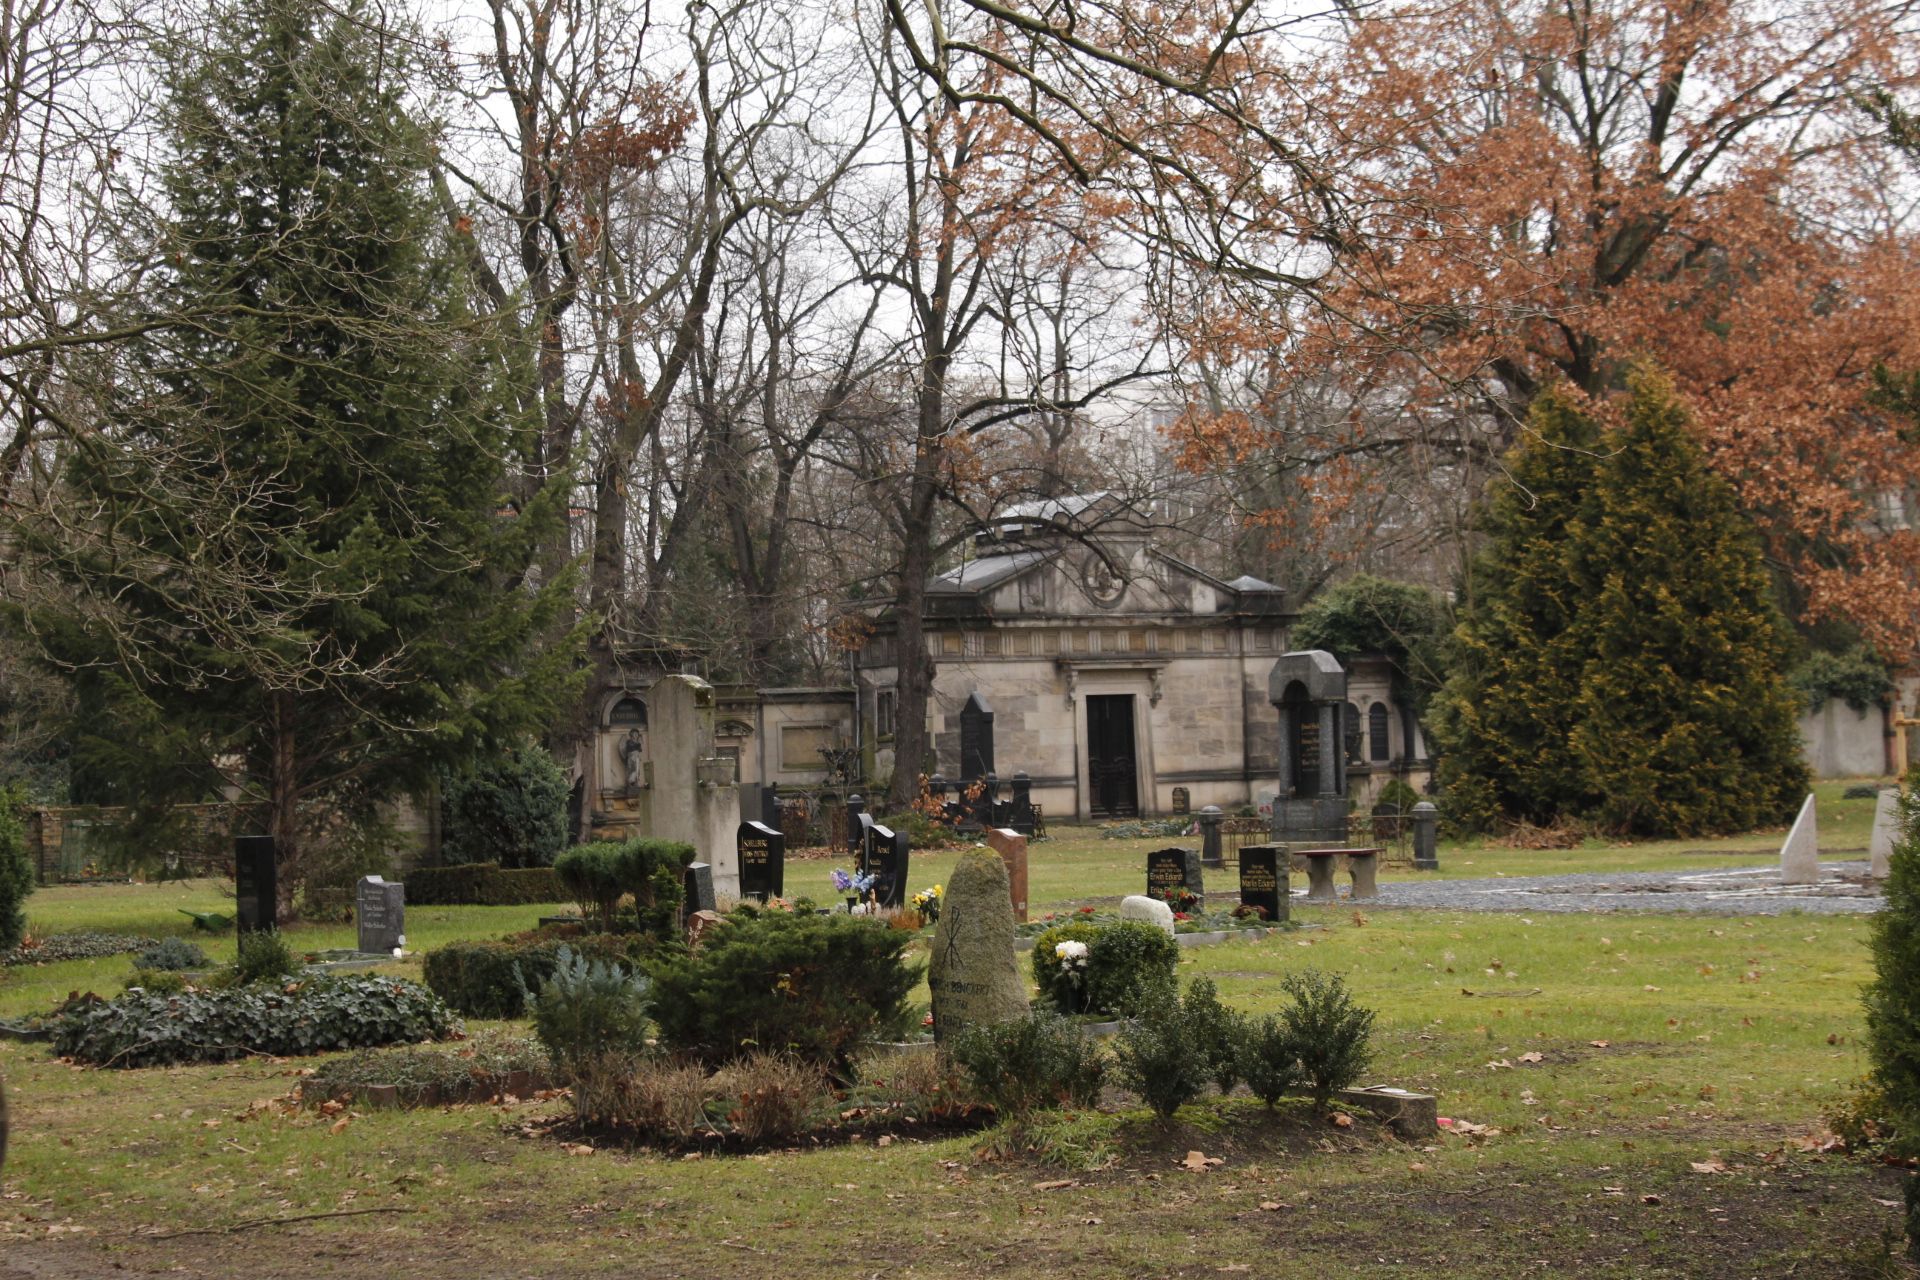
{"points": [[1670, 1125]]}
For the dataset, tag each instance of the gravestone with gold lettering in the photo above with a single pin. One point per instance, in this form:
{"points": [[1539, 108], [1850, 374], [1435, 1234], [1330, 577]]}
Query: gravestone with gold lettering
{"points": [[1263, 881], [763, 858]]}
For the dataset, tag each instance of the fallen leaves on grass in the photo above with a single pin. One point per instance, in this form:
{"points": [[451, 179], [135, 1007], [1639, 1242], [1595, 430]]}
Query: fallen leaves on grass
{"points": [[1197, 1162], [1533, 1056], [1707, 1166], [1058, 1184]]}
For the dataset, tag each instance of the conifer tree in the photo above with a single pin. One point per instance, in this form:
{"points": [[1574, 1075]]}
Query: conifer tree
{"points": [[1686, 724], [1503, 720], [290, 556]]}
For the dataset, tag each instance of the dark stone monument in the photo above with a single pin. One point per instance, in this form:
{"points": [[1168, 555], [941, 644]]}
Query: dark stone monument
{"points": [[697, 887], [1263, 880], [1020, 808], [988, 814], [1167, 872], [763, 861], [886, 862], [1182, 802], [976, 739], [770, 806], [1426, 837], [856, 830], [1210, 852], [381, 910], [256, 883], [1309, 690]]}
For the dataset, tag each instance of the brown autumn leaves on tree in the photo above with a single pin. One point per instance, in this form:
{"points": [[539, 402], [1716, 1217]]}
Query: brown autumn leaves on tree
{"points": [[1540, 192]]}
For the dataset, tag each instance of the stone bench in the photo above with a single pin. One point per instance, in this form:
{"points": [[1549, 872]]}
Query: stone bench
{"points": [[1363, 864]]}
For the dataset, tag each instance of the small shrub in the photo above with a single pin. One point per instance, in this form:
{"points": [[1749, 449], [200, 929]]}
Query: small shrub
{"points": [[314, 1016], [171, 953], [599, 875], [1218, 1030], [912, 1084], [1331, 1034], [483, 884], [17, 876], [157, 982], [1128, 964], [655, 1099], [774, 1097], [474, 1069], [491, 979], [1269, 1061], [264, 956], [1041, 1060], [589, 1008], [510, 808], [814, 986], [1159, 1057]]}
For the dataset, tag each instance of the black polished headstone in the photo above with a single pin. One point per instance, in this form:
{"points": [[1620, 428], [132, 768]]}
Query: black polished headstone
{"points": [[1263, 881], [886, 862], [1182, 802], [763, 858], [1020, 808], [380, 909], [256, 883], [1166, 872]]}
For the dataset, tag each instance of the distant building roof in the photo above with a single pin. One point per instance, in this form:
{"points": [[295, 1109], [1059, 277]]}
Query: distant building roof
{"points": [[988, 571], [1247, 582]]}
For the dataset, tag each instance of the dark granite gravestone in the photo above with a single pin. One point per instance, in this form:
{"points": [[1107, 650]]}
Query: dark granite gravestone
{"points": [[256, 883], [381, 911], [1020, 808], [1182, 802], [1263, 881], [856, 829], [763, 861], [976, 739], [1166, 872], [1426, 837], [770, 806], [886, 862], [1211, 852], [697, 889]]}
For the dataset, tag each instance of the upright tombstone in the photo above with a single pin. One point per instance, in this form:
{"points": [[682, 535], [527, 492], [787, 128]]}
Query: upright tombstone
{"points": [[1309, 690], [1263, 880], [1800, 855], [973, 975], [770, 806], [1886, 830], [1020, 808], [256, 883], [976, 739], [697, 890], [1426, 837], [886, 861], [1012, 848], [1182, 802], [1211, 853], [763, 861], [380, 909], [857, 830], [988, 812], [1171, 870], [694, 795]]}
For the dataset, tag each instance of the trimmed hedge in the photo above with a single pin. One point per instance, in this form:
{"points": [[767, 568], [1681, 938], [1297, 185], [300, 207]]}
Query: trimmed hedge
{"points": [[482, 884], [1130, 965], [315, 1016], [492, 979]]}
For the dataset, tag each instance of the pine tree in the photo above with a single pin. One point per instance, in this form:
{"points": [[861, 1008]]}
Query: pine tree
{"points": [[1686, 724], [1503, 720], [290, 548]]}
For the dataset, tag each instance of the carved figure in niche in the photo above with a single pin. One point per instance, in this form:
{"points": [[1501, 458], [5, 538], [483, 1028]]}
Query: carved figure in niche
{"points": [[632, 748]]}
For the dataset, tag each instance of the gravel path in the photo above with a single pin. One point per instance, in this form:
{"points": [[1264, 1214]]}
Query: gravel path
{"points": [[1743, 891]]}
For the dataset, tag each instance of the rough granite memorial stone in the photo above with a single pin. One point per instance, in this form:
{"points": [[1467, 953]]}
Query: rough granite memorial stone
{"points": [[381, 912], [697, 886], [1263, 881], [763, 858], [1012, 848], [256, 883], [1886, 830], [1151, 910], [974, 976], [1800, 855]]}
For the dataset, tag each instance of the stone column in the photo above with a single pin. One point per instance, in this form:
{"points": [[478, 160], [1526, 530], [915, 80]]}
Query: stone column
{"points": [[1286, 755], [1210, 852], [1426, 836], [1332, 750]]}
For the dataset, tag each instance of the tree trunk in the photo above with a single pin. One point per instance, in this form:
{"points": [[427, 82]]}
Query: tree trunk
{"points": [[283, 804]]}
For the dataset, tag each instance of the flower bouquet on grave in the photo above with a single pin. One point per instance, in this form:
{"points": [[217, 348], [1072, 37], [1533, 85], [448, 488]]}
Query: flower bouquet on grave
{"points": [[1071, 956], [856, 885], [1181, 900], [927, 903]]}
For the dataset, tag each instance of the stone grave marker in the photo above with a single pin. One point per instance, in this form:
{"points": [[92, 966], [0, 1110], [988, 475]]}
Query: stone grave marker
{"points": [[763, 859], [1886, 830], [1012, 848], [381, 912], [1263, 881], [1151, 910], [1020, 807], [697, 889], [974, 975], [1170, 870], [886, 861], [1425, 821], [1800, 855], [1211, 852], [256, 883], [1182, 802]]}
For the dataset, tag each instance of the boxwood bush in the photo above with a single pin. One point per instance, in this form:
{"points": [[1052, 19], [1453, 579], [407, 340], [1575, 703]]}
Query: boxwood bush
{"points": [[814, 986], [599, 875], [1041, 1060], [315, 1016], [482, 884], [1129, 965], [491, 979]]}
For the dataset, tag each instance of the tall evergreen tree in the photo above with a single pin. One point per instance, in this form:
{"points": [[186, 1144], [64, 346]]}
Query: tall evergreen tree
{"points": [[1503, 720], [290, 548], [1685, 722]]}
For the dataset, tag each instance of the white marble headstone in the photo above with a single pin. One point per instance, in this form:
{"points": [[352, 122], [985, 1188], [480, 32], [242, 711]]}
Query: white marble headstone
{"points": [[1800, 855]]}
